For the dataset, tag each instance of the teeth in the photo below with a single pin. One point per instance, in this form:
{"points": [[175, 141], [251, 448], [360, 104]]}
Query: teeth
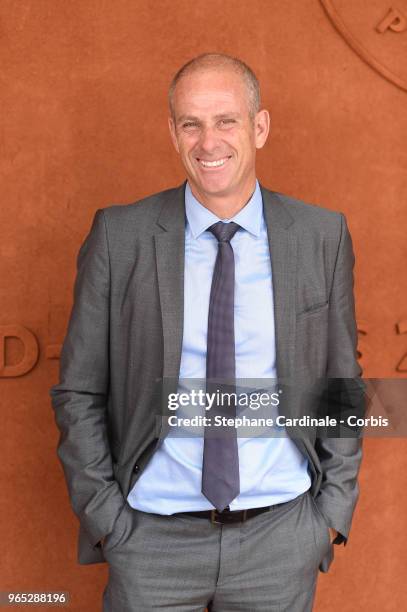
{"points": [[212, 164]]}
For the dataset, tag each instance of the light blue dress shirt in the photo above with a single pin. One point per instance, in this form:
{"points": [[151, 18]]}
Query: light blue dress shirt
{"points": [[272, 469]]}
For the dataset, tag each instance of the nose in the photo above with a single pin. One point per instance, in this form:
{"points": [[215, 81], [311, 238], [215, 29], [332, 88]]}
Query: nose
{"points": [[208, 140]]}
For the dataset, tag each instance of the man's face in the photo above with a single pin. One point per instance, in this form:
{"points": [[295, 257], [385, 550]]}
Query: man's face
{"points": [[214, 133]]}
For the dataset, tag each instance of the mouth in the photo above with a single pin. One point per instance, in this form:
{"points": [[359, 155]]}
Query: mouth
{"points": [[216, 163]]}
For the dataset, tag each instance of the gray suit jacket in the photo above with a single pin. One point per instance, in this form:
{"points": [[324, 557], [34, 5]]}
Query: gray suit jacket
{"points": [[125, 336]]}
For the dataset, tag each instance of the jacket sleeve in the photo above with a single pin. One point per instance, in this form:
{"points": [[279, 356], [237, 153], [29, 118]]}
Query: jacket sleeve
{"points": [[79, 400], [340, 456]]}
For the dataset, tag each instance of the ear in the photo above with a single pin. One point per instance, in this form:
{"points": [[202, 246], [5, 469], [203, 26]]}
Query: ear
{"points": [[173, 133], [261, 128]]}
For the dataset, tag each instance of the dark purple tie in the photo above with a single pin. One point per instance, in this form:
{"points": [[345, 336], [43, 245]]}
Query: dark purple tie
{"points": [[220, 470]]}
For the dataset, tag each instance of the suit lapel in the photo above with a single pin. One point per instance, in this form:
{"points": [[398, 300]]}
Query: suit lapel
{"points": [[283, 253], [170, 248]]}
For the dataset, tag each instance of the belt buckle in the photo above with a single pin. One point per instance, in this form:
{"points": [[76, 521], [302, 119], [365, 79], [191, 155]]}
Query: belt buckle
{"points": [[213, 517], [215, 514]]}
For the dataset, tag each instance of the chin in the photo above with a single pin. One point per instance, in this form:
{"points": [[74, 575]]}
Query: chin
{"points": [[215, 188]]}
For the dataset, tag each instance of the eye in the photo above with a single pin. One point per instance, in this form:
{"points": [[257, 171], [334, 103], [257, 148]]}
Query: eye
{"points": [[188, 125], [227, 122]]}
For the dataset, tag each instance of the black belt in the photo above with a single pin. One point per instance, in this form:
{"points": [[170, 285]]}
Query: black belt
{"points": [[227, 516]]}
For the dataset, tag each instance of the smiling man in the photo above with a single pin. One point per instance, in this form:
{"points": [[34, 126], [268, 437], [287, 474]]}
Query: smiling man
{"points": [[219, 279], [216, 126]]}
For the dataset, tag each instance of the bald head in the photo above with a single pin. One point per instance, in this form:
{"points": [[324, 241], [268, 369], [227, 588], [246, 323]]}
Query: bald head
{"points": [[219, 62]]}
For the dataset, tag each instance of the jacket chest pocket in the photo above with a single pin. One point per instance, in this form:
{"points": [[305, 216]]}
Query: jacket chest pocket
{"points": [[316, 307]]}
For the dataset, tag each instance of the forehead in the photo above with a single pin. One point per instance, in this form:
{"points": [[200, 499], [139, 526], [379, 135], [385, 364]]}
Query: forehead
{"points": [[208, 91]]}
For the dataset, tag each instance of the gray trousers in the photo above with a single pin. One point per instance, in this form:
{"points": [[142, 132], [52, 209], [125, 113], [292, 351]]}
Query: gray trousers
{"points": [[185, 564]]}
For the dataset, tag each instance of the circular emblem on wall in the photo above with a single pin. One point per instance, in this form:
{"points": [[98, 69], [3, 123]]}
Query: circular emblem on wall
{"points": [[376, 31]]}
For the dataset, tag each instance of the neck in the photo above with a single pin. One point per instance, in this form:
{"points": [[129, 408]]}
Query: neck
{"points": [[225, 207]]}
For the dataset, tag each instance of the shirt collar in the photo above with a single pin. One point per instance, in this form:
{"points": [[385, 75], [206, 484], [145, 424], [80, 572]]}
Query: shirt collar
{"points": [[200, 218]]}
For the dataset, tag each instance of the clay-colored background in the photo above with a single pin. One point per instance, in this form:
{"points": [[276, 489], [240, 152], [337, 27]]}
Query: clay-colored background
{"points": [[83, 125]]}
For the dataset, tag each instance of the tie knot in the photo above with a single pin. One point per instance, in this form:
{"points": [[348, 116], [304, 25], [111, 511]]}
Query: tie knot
{"points": [[224, 232]]}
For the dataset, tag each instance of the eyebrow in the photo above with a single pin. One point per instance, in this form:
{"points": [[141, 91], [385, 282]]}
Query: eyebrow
{"points": [[216, 117]]}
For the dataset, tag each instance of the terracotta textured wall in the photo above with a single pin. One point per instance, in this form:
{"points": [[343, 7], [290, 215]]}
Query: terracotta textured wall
{"points": [[83, 125]]}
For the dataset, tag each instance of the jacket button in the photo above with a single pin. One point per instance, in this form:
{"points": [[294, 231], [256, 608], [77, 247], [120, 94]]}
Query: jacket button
{"points": [[136, 468]]}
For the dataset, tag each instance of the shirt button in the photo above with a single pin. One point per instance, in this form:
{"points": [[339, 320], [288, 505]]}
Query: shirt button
{"points": [[136, 468]]}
